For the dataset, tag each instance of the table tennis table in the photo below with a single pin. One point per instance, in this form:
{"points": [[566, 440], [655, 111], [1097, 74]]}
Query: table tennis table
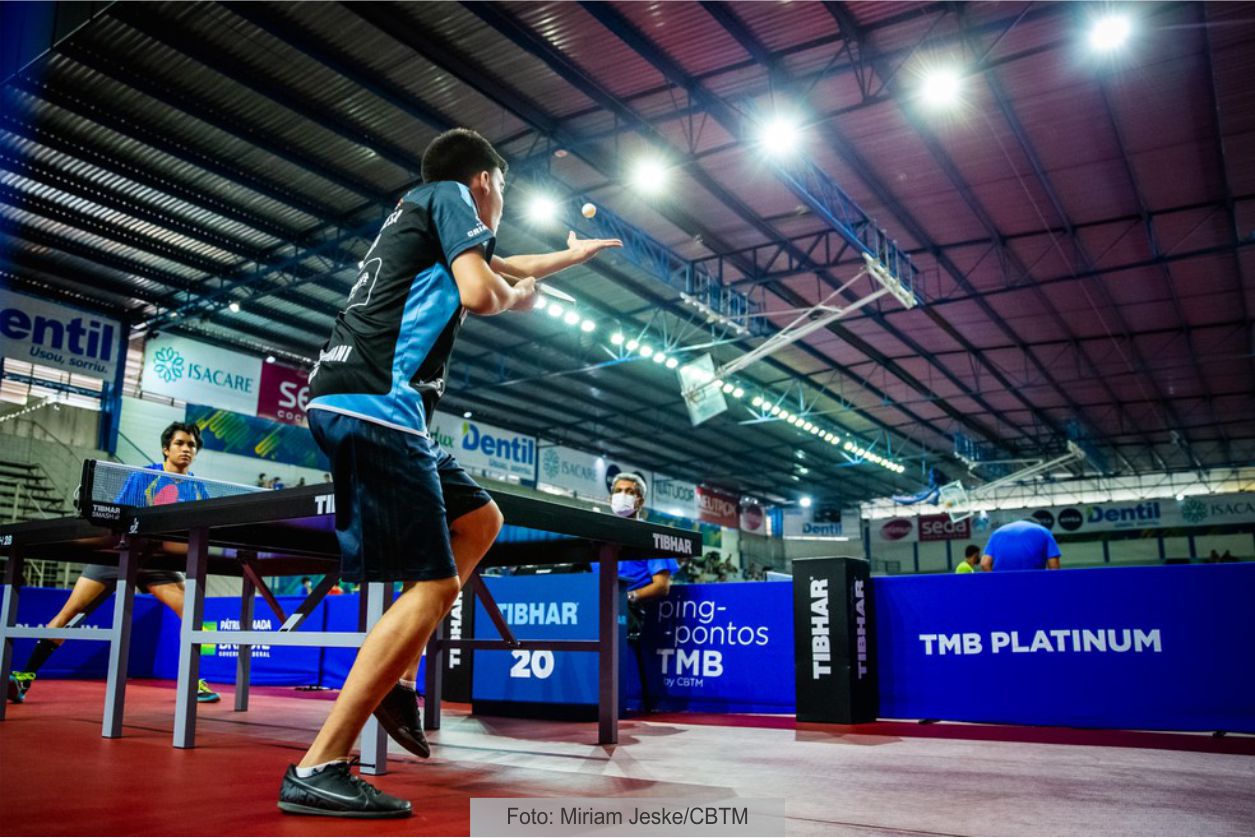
{"points": [[292, 532]]}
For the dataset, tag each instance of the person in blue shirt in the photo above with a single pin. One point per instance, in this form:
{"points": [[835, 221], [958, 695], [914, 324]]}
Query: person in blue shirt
{"points": [[153, 486], [646, 579], [405, 509], [1021, 545]]}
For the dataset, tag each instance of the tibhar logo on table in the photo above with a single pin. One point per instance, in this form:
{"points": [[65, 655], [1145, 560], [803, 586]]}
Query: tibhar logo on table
{"points": [[325, 504], [662, 541]]}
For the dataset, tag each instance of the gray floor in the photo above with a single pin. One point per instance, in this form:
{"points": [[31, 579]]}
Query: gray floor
{"points": [[881, 785]]}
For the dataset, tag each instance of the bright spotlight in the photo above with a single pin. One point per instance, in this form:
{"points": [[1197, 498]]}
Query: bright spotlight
{"points": [[587, 326], [672, 363], [617, 338], [738, 392], [235, 308], [941, 88], [757, 401], [647, 352], [555, 310], [779, 137], [804, 501], [1109, 32], [632, 345], [541, 209], [571, 318], [649, 176], [660, 358], [728, 388], [775, 410]]}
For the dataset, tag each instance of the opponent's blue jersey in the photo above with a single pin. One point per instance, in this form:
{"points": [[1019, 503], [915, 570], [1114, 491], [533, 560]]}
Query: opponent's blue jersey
{"points": [[1021, 545], [143, 488], [385, 361], [638, 573]]}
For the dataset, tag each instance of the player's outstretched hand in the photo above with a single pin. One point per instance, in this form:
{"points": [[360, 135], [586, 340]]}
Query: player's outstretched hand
{"points": [[585, 249]]}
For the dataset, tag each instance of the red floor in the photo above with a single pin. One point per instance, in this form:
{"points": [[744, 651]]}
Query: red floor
{"points": [[59, 777]]}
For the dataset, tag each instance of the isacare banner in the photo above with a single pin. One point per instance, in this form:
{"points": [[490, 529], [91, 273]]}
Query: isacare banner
{"points": [[717, 506], [588, 475], [54, 335], [250, 436], [484, 447], [197, 372], [283, 394], [1160, 648]]}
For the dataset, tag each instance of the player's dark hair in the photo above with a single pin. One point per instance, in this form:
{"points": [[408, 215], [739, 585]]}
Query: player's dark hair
{"points": [[972, 550], [174, 427], [460, 154]]}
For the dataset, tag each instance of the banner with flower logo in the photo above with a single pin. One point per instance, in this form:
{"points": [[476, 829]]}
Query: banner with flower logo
{"points": [[198, 372]]}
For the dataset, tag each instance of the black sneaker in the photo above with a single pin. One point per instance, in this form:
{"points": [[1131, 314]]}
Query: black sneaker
{"points": [[398, 713], [337, 792]]}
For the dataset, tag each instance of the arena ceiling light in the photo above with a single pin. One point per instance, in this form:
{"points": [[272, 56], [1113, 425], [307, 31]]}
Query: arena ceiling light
{"points": [[555, 310], [780, 135], [1110, 32], [649, 176], [617, 338], [804, 501], [234, 307], [940, 88], [542, 209], [588, 326]]}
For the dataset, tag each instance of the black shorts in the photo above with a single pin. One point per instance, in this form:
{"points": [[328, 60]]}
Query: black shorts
{"points": [[145, 579], [396, 493]]}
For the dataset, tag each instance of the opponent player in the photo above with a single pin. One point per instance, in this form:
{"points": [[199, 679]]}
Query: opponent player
{"points": [[405, 509], [180, 442]]}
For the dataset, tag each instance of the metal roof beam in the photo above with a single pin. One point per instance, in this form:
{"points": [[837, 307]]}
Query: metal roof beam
{"points": [[510, 28], [845, 215], [204, 112]]}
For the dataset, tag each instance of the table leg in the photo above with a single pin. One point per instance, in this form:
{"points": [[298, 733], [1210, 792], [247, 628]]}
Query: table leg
{"points": [[189, 651], [433, 680], [8, 619], [608, 640], [374, 744], [244, 663], [120, 638]]}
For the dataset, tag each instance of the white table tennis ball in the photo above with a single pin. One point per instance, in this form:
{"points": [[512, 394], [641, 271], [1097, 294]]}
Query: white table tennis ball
{"points": [[588, 210]]}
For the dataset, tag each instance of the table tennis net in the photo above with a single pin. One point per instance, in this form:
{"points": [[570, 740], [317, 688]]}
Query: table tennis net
{"points": [[115, 483]]}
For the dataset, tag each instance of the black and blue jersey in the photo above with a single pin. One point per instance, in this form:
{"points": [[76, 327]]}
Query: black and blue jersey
{"points": [[385, 361]]}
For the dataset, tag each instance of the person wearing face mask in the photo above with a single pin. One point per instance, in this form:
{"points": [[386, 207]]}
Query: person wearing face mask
{"points": [[647, 579]]}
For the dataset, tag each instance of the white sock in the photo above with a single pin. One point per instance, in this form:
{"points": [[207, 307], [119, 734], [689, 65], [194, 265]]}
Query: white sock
{"points": [[306, 773], [409, 685]]}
